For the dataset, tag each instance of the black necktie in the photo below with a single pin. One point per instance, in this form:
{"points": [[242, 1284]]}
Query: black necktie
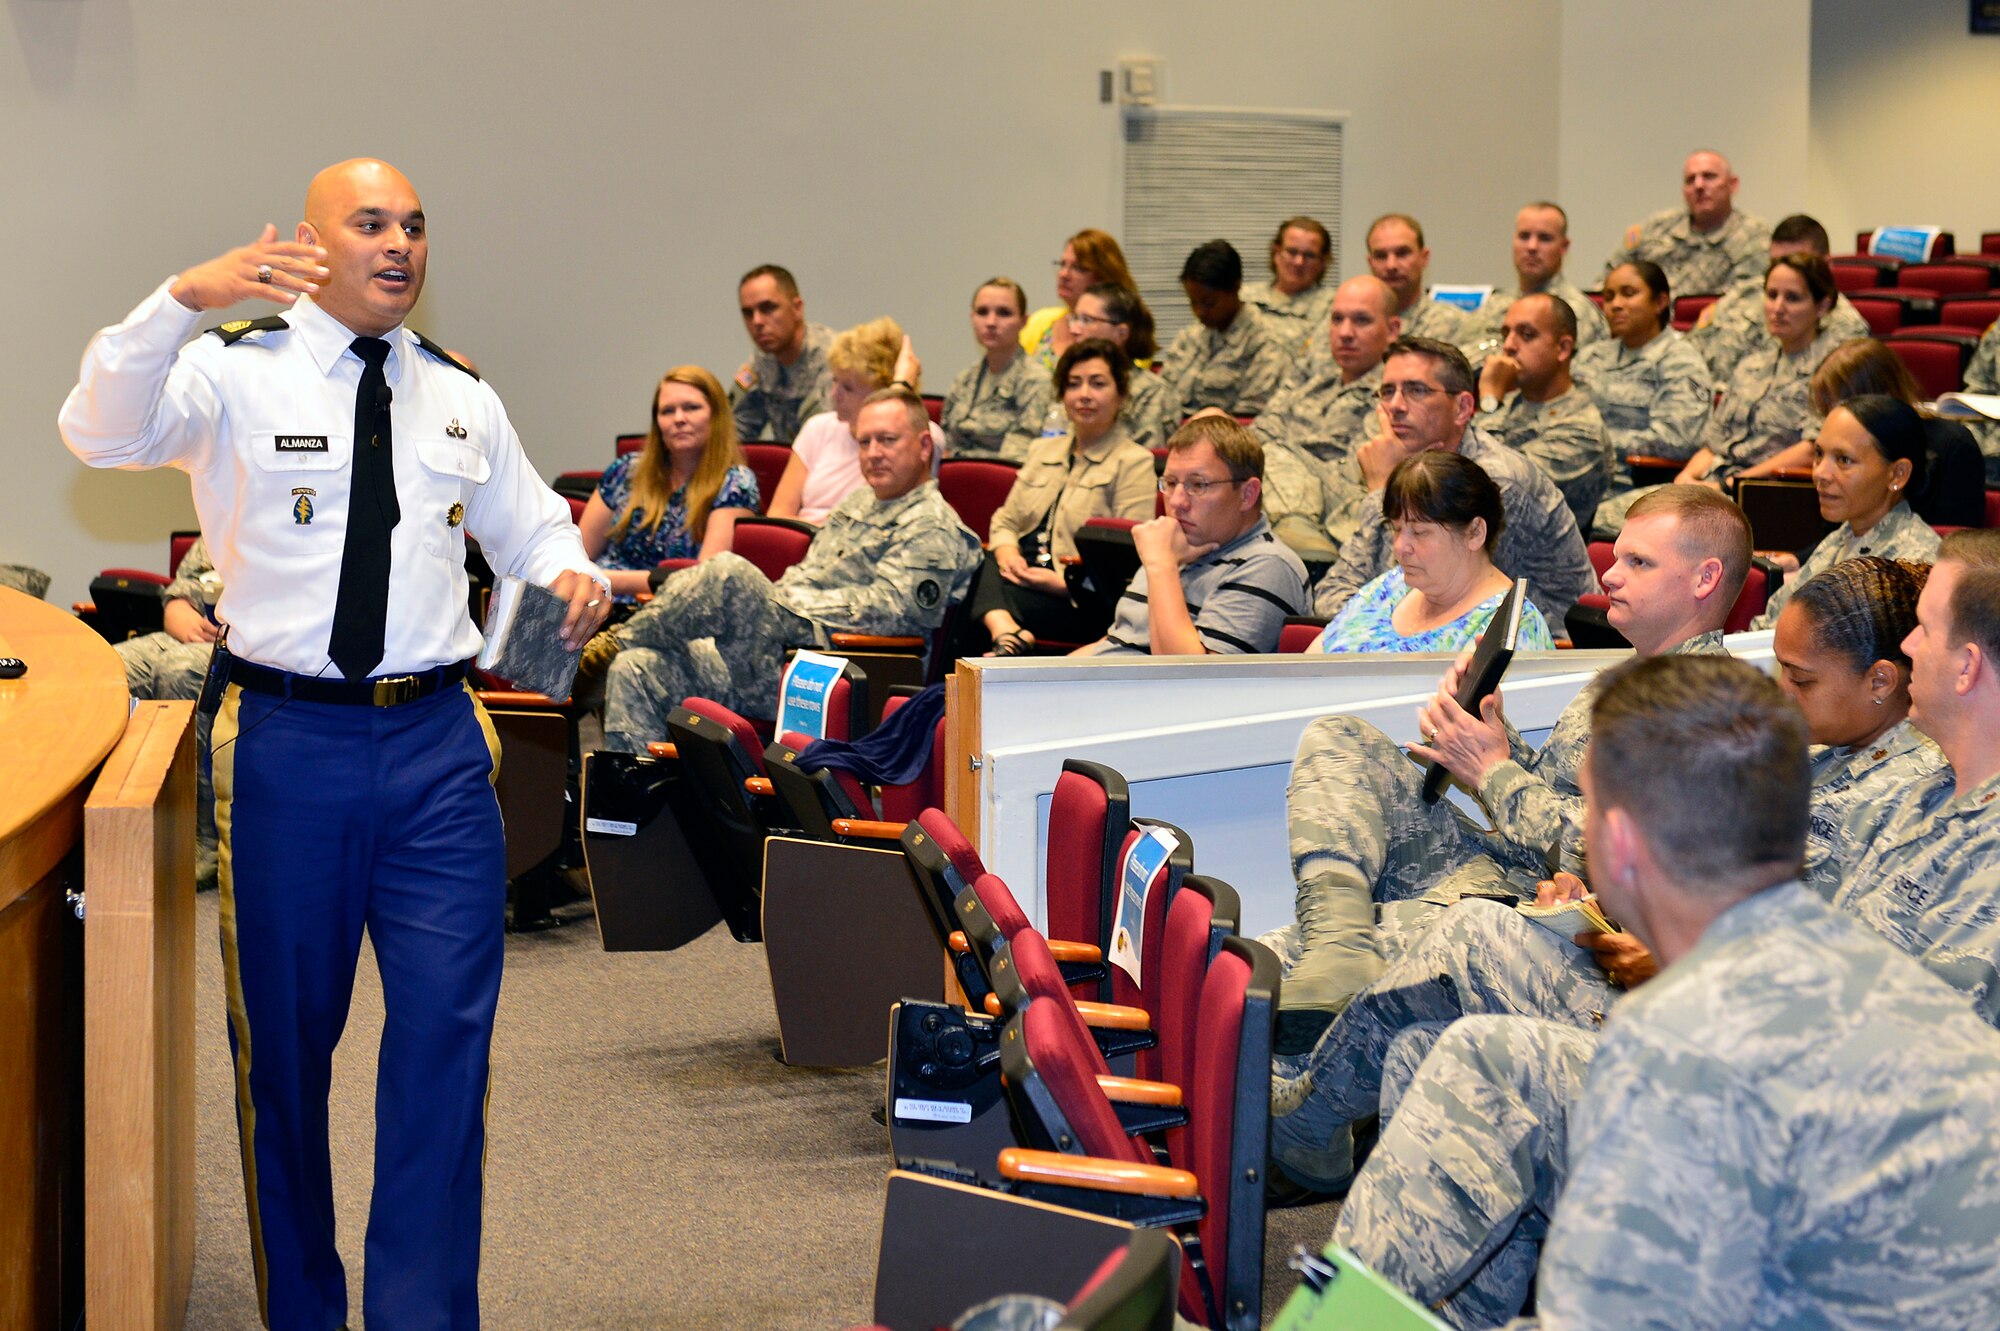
{"points": [[361, 608]]}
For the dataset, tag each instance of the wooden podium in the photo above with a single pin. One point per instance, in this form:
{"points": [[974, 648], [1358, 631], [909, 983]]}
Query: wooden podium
{"points": [[96, 1040]]}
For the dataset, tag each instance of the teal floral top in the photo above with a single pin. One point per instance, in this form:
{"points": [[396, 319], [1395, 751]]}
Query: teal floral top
{"points": [[1363, 624]]}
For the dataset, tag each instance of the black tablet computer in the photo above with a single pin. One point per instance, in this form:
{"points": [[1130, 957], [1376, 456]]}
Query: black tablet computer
{"points": [[1489, 662]]}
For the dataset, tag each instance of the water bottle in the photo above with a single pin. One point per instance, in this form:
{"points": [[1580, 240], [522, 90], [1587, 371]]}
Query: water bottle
{"points": [[1055, 423]]}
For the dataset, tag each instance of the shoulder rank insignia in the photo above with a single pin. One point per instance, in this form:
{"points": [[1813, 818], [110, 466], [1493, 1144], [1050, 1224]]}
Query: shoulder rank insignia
{"points": [[237, 329], [442, 354]]}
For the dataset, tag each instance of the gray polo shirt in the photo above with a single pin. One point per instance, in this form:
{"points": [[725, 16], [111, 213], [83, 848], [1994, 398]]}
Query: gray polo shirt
{"points": [[1238, 597]]}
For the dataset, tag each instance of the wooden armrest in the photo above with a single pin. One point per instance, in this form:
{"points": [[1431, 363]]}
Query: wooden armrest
{"points": [[1789, 474], [1651, 460], [872, 828], [1134, 1091], [958, 942], [1115, 1016], [1067, 560], [83, 607], [1080, 952], [992, 1004], [504, 698], [758, 785], [662, 749], [642, 598], [877, 640], [1024, 1166]]}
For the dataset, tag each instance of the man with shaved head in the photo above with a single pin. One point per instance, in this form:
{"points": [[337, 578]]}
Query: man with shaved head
{"points": [[337, 460], [1708, 246], [1321, 414]]}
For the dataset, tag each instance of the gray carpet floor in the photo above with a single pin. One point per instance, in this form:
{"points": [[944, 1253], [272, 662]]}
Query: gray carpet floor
{"points": [[650, 1164]]}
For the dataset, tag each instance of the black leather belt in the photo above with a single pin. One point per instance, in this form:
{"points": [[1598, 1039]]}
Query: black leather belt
{"points": [[383, 691]]}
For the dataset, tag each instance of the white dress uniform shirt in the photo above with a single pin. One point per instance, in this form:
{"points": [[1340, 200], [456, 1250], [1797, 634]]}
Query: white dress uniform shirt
{"points": [[264, 428]]}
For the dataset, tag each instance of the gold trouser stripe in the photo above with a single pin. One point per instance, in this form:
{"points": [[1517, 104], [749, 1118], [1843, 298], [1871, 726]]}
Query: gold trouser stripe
{"points": [[222, 750], [486, 1105], [486, 729]]}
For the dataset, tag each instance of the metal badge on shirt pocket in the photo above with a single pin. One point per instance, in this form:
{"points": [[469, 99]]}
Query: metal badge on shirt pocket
{"points": [[450, 464]]}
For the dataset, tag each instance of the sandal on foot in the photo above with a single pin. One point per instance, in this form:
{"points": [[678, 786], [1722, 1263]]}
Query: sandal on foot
{"points": [[1014, 642]]}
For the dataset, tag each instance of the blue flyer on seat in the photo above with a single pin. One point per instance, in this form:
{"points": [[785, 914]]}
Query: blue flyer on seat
{"points": [[802, 693], [1141, 863], [1465, 296], [1911, 244]]}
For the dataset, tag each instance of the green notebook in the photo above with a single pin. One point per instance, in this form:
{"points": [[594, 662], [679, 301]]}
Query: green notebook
{"points": [[1337, 1293]]}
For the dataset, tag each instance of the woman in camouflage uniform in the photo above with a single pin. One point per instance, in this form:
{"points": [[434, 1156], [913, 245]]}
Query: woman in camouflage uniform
{"points": [[996, 408]]}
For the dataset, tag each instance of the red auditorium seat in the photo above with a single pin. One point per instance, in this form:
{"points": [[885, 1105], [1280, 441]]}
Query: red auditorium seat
{"points": [[1299, 632], [767, 462], [976, 488], [1975, 311], [1884, 315], [772, 544], [630, 443], [1989, 242], [1944, 278], [1936, 356], [1687, 310], [1860, 272], [1943, 248], [934, 404]]}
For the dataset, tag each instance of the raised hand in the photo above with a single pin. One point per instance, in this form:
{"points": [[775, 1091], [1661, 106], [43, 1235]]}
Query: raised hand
{"points": [[266, 269]]}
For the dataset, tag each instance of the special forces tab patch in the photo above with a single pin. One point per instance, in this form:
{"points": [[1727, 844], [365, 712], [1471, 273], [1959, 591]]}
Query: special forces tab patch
{"points": [[929, 593], [455, 514], [302, 505]]}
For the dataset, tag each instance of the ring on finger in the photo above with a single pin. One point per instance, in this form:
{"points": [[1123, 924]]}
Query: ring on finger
{"points": [[1430, 738], [264, 273]]}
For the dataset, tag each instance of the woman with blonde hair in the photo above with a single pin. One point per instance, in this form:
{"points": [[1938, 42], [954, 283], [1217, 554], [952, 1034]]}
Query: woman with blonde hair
{"points": [[679, 496], [825, 465], [1089, 258]]}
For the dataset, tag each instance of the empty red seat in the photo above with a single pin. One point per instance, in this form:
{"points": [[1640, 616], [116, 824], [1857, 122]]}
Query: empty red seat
{"points": [[772, 544], [1687, 310], [1944, 278], [1975, 310], [767, 462], [976, 488], [1936, 356], [1859, 272], [1943, 247], [1989, 242], [1884, 314], [630, 443], [1299, 632]]}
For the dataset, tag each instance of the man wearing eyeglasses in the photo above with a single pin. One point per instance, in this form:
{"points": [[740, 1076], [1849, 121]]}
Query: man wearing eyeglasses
{"points": [[1212, 576], [1427, 402]]}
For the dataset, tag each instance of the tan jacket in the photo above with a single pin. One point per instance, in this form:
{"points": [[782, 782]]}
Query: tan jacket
{"points": [[1113, 479]]}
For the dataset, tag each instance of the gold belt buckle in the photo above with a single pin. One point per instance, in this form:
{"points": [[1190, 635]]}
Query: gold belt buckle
{"points": [[395, 689]]}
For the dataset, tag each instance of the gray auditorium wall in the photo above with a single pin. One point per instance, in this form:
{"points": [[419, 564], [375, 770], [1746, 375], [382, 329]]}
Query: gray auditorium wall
{"points": [[1904, 104], [597, 174]]}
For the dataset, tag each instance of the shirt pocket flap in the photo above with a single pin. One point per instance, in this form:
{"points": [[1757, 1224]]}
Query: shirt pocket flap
{"points": [[295, 451], [452, 457]]}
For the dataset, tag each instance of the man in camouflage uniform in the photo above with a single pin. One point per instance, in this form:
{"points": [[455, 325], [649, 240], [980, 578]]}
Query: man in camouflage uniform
{"points": [[1375, 864], [1729, 328], [1709, 245], [1230, 358], [1320, 415], [1528, 402], [1297, 299], [1397, 254], [170, 665], [787, 379], [1983, 376], [1432, 406], [22, 578], [1792, 1125], [891, 559], [1541, 241]]}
